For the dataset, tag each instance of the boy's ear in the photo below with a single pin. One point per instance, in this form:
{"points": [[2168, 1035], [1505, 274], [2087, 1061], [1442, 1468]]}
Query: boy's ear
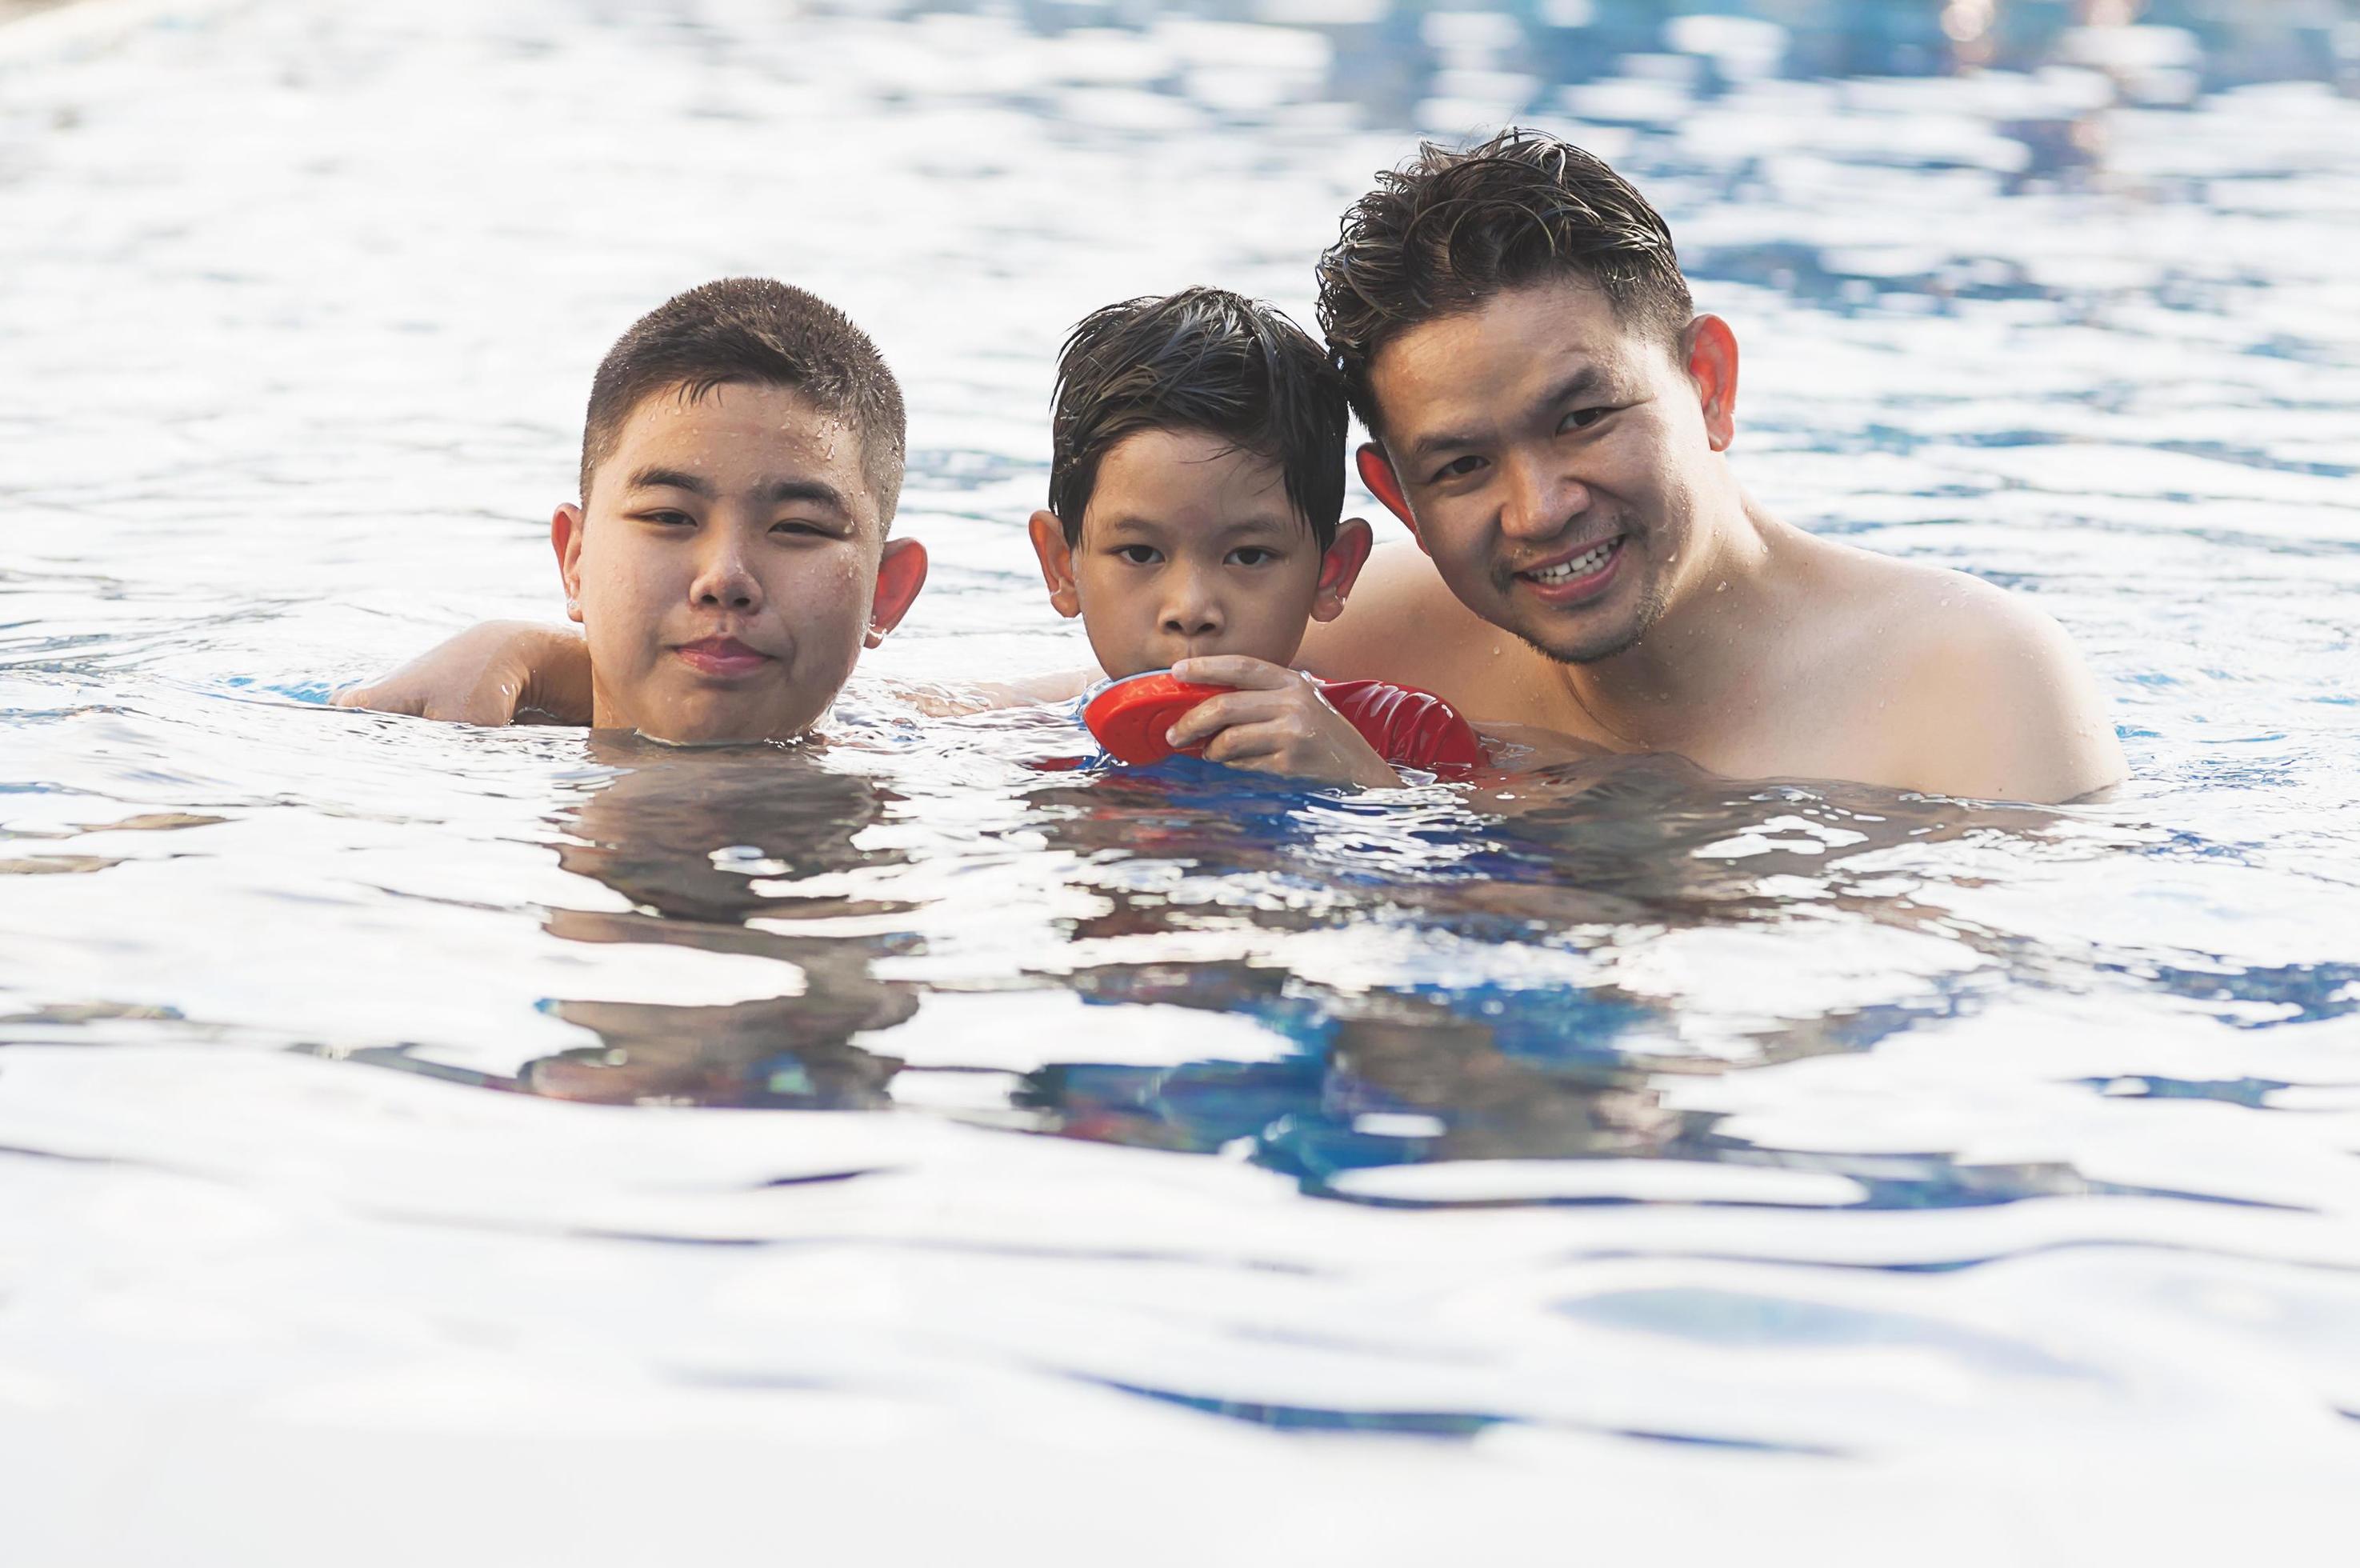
{"points": [[901, 572], [1709, 349], [1377, 473], [566, 538], [1340, 568], [1056, 562]]}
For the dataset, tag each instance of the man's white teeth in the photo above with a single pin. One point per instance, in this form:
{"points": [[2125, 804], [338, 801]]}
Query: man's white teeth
{"points": [[1581, 565]]}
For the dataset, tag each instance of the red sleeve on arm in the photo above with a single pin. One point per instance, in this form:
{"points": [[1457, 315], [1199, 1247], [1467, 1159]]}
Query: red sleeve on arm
{"points": [[1409, 728]]}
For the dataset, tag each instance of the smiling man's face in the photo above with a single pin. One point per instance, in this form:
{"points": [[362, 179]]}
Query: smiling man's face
{"points": [[730, 566], [1552, 456]]}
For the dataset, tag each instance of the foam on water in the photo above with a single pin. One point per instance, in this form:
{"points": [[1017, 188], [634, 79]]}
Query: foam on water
{"points": [[394, 1115]]}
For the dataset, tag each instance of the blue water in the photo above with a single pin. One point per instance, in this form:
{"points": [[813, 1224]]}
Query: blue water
{"points": [[400, 1121]]}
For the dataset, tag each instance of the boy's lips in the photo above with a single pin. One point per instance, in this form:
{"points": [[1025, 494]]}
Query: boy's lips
{"points": [[1576, 573], [721, 656]]}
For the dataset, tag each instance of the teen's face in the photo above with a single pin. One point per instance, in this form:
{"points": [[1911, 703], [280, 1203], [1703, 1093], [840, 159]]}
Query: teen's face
{"points": [[1553, 461], [1190, 547], [730, 567]]}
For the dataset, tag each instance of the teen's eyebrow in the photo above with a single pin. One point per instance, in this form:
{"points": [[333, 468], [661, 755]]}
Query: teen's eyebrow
{"points": [[817, 491], [675, 479]]}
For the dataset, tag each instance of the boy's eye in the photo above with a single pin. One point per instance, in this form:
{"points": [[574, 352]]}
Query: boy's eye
{"points": [[1457, 468], [1137, 554], [1253, 555]]}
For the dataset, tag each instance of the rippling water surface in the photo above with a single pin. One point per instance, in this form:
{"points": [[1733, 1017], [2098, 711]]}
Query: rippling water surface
{"points": [[885, 1144]]}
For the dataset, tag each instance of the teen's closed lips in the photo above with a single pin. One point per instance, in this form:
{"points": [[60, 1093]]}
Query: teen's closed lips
{"points": [[721, 656]]}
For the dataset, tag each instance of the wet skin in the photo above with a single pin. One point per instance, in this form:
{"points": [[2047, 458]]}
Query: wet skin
{"points": [[728, 566], [1588, 563]]}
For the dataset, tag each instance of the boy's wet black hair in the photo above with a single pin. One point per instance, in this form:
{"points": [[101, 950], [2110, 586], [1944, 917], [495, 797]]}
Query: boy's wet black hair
{"points": [[1203, 359], [1443, 234], [753, 332]]}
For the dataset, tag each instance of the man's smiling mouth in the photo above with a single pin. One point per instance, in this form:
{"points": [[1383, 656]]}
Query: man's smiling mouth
{"points": [[1575, 575]]}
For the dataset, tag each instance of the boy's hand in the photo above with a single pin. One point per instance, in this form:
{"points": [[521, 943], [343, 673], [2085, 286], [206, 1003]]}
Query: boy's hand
{"points": [[484, 675], [1275, 722]]}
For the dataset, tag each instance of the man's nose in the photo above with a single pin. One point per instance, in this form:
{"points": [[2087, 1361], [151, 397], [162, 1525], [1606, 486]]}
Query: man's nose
{"points": [[724, 577], [1541, 496]]}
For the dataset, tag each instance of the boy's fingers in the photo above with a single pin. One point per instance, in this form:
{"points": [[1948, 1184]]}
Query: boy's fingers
{"points": [[1238, 670], [1215, 715]]}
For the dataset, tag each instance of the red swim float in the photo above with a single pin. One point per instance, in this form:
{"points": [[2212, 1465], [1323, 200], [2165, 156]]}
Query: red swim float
{"points": [[1129, 716]]}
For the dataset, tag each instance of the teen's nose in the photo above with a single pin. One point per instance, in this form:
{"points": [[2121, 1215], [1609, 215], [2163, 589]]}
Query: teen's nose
{"points": [[1541, 498], [725, 578]]}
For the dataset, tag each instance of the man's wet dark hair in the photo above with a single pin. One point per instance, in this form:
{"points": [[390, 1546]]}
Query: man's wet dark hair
{"points": [[1203, 359], [753, 332], [1442, 234]]}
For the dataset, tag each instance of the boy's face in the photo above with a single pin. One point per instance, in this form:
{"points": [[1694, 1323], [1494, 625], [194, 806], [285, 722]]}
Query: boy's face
{"points": [[730, 566], [1190, 547]]}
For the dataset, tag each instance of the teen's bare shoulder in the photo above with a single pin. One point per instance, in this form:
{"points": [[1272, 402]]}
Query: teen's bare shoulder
{"points": [[1983, 694]]}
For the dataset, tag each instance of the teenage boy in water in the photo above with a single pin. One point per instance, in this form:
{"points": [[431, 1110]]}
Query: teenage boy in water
{"points": [[1195, 494], [741, 459]]}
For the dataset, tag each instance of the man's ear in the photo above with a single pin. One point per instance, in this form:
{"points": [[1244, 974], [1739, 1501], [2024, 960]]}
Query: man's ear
{"points": [[901, 572], [1341, 567], [1377, 473], [1056, 562], [566, 538], [1709, 349]]}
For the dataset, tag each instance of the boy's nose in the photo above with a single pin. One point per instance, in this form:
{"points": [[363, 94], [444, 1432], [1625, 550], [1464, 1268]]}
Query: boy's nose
{"points": [[1194, 611]]}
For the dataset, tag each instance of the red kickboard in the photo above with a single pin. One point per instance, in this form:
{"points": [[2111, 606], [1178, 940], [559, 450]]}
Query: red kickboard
{"points": [[1131, 717]]}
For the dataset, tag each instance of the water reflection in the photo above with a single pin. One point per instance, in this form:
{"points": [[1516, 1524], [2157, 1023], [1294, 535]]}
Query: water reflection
{"points": [[689, 838]]}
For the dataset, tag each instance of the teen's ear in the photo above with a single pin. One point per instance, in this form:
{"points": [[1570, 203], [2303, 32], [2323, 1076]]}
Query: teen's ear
{"points": [[1377, 473], [1056, 562], [1340, 568], [565, 538], [1709, 349], [901, 572]]}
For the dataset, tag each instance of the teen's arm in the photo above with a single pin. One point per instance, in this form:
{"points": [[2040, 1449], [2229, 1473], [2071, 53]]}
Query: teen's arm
{"points": [[486, 675], [940, 702], [1273, 720]]}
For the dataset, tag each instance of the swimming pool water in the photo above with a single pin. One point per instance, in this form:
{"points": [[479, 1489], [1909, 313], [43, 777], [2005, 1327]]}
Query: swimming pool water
{"points": [[889, 1146]]}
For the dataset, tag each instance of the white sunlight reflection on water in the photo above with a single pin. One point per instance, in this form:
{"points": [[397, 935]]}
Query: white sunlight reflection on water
{"points": [[1472, 1175]]}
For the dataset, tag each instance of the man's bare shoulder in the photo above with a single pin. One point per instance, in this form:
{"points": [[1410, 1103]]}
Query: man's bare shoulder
{"points": [[1403, 625], [1976, 690]]}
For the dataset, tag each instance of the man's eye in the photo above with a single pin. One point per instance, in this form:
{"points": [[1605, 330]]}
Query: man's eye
{"points": [[1253, 555], [1137, 554], [1457, 468], [1582, 418]]}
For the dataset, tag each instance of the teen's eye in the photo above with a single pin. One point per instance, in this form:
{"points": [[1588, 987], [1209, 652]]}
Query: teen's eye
{"points": [[1253, 555], [668, 518], [1457, 468], [1137, 554], [796, 527]]}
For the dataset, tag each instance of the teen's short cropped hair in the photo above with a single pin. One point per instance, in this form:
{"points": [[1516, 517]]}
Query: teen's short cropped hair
{"points": [[756, 332], [1447, 231], [1208, 360]]}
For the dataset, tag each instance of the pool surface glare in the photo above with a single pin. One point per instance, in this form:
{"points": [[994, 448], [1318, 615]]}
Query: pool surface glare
{"points": [[836, 1147]]}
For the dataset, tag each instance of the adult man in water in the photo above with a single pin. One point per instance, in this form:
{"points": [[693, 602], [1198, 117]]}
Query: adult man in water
{"points": [[1550, 419]]}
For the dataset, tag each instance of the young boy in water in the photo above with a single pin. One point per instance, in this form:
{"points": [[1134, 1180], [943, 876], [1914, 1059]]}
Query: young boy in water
{"points": [[1195, 494], [741, 459]]}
